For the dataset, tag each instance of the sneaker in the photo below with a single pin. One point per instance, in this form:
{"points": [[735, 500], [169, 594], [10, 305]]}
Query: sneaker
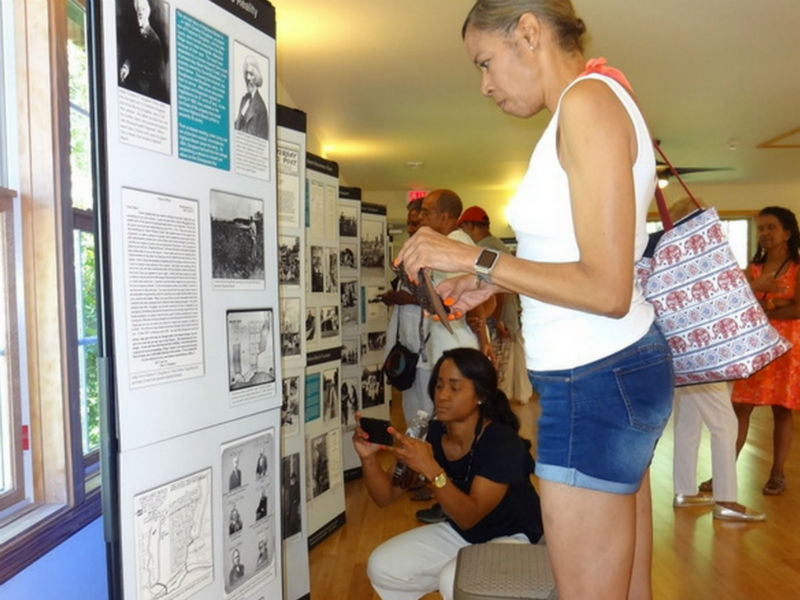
{"points": [[434, 514]]}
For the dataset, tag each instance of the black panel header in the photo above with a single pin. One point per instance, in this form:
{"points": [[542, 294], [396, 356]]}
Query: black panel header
{"points": [[317, 163], [258, 13]]}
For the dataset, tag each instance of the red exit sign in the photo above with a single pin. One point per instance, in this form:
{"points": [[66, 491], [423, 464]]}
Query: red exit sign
{"points": [[415, 194]]}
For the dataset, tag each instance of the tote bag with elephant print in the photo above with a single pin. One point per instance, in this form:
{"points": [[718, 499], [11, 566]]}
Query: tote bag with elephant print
{"points": [[703, 303]]}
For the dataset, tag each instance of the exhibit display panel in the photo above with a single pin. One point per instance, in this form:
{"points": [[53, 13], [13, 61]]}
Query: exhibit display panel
{"points": [[374, 268], [350, 290], [363, 343], [323, 313], [291, 265], [183, 95], [323, 434]]}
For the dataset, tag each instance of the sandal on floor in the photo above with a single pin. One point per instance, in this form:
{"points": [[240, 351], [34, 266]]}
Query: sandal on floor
{"points": [[707, 486], [775, 486]]}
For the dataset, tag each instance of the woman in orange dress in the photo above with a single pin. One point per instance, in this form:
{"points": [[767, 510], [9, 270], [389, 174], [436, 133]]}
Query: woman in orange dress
{"points": [[774, 275]]}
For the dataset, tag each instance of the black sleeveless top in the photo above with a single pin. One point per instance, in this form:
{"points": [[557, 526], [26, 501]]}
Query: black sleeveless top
{"points": [[500, 455]]}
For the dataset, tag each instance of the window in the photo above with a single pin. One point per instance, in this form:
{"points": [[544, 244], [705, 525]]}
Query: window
{"points": [[83, 230], [12, 482], [49, 431]]}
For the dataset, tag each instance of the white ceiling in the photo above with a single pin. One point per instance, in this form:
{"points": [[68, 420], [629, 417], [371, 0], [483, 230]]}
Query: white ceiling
{"points": [[385, 82]]}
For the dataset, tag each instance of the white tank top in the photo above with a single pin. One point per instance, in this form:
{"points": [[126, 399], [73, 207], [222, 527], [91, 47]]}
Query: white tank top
{"points": [[541, 215]]}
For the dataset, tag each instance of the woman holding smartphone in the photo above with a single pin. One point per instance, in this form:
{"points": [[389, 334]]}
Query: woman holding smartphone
{"points": [[478, 468]]}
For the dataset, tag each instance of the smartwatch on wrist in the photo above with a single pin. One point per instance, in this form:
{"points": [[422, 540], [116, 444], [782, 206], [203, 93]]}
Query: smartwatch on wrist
{"points": [[485, 262]]}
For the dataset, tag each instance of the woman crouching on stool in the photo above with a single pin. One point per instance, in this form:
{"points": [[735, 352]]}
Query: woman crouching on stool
{"points": [[477, 466]]}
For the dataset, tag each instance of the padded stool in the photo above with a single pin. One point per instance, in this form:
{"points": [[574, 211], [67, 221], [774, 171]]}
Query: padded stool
{"points": [[504, 571]]}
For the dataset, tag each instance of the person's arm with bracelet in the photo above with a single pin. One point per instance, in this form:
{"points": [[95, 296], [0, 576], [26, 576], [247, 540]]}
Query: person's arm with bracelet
{"points": [[466, 510], [599, 280]]}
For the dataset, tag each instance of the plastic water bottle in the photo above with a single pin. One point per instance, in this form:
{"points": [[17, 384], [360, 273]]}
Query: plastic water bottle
{"points": [[402, 476]]}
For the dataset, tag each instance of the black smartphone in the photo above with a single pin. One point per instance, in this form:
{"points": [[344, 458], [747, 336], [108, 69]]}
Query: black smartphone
{"points": [[377, 430]]}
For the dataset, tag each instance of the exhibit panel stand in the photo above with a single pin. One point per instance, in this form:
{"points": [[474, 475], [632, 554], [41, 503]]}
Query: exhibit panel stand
{"points": [[324, 481], [350, 269], [376, 392], [292, 277], [323, 338], [183, 108], [323, 317], [373, 321]]}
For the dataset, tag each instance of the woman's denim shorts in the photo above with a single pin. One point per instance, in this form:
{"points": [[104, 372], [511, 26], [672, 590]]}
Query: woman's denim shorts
{"points": [[600, 422]]}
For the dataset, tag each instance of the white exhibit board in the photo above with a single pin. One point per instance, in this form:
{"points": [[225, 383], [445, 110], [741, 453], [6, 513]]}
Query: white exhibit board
{"points": [[292, 274], [374, 267], [210, 529], [324, 469], [364, 340], [323, 317], [323, 329], [184, 140], [350, 292]]}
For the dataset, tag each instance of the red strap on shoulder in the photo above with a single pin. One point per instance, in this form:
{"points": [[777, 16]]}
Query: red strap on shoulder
{"points": [[598, 65]]}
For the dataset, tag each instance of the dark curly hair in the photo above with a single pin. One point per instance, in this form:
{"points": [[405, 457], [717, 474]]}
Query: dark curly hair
{"points": [[473, 365], [789, 222]]}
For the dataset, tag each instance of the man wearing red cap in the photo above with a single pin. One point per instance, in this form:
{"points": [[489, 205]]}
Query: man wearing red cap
{"points": [[504, 325]]}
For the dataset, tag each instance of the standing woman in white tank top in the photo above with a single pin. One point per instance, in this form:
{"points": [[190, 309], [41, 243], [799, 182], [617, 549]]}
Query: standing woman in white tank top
{"points": [[602, 371]]}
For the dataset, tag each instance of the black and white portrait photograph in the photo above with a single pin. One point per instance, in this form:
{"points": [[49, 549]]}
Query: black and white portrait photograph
{"points": [[347, 259], [237, 240], [290, 494], [329, 321], [372, 386], [262, 505], [262, 463], [265, 554], [251, 357], [311, 323], [234, 521], [332, 274], [289, 260], [251, 87], [236, 573], [349, 299], [290, 326], [348, 221], [317, 269], [235, 473], [330, 394], [290, 406], [350, 351], [143, 48], [349, 402], [373, 249], [320, 479]]}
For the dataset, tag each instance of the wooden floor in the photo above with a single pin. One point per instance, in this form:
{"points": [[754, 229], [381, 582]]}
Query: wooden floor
{"points": [[695, 556]]}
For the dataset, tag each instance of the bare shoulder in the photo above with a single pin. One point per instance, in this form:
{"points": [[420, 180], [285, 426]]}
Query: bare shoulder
{"points": [[591, 101], [593, 122]]}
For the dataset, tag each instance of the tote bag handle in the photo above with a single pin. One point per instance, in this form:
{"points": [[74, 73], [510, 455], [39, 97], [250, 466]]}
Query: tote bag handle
{"points": [[666, 220]]}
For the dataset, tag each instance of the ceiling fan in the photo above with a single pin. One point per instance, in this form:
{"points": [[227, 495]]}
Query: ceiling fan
{"points": [[665, 170]]}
